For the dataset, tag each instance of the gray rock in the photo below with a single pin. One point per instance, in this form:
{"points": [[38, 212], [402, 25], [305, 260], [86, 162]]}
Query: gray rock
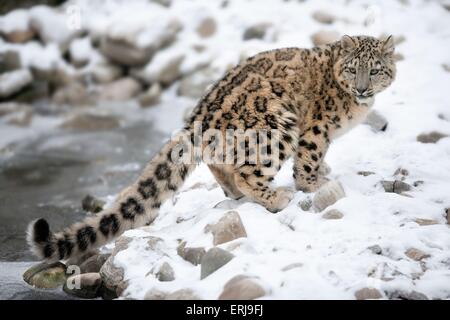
{"points": [[164, 72], [155, 294], [365, 173], [305, 204], [182, 294], [333, 214], [119, 90], [425, 222], [376, 249], [113, 276], [86, 285], [213, 260], [193, 255], [123, 52], [328, 194], [323, 17], [257, 31], [94, 263], [74, 94], [14, 81], [292, 266], [242, 288], [165, 273], [151, 96], [376, 121], [9, 61], [324, 169], [396, 186], [91, 122], [324, 37], [92, 204], [228, 228], [207, 27], [105, 73], [446, 67], [407, 295], [368, 293], [431, 137], [194, 85], [416, 254], [164, 3], [447, 215], [45, 275], [19, 36]]}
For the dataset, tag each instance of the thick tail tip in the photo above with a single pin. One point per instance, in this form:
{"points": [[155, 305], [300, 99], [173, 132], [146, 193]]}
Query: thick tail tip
{"points": [[39, 238]]}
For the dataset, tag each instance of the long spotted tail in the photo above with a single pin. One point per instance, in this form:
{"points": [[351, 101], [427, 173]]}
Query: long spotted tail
{"points": [[135, 206]]}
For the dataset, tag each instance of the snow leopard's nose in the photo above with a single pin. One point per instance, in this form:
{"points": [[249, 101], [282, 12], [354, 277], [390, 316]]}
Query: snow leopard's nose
{"points": [[361, 91]]}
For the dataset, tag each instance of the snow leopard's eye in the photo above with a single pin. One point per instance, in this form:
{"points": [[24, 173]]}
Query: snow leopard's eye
{"points": [[352, 70], [374, 72]]}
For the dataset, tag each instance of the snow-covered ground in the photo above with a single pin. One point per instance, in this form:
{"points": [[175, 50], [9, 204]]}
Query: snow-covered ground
{"points": [[334, 255]]}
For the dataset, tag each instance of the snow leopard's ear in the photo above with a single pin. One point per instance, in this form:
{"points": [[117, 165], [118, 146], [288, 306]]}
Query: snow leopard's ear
{"points": [[348, 43], [388, 46]]}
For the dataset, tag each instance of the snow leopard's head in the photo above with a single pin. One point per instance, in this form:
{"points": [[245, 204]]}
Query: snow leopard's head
{"points": [[365, 65]]}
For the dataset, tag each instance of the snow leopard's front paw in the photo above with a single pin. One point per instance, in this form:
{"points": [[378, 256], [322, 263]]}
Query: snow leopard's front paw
{"points": [[312, 185], [283, 195], [324, 169]]}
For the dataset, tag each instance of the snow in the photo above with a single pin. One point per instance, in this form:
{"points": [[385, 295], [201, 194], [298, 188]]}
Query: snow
{"points": [[334, 255]]}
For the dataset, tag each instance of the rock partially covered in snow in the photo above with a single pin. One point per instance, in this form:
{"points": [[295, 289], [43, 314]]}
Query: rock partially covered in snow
{"points": [[228, 228], [9, 61], [257, 31], [15, 26], [120, 90], [406, 295], [376, 121], [80, 51], [305, 204], [165, 272], [333, 214], [86, 285], [396, 186], [324, 37], [207, 27], [91, 122], [105, 73], [193, 255], [164, 69], [151, 96], [74, 94], [182, 294], [14, 81], [431, 137], [94, 263], [328, 194], [195, 84], [416, 254], [242, 288], [368, 293], [213, 260], [323, 17]]}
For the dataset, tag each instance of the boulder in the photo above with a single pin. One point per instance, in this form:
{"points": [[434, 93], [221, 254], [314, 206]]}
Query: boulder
{"points": [[80, 51], [182, 294], [431, 137], [9, 61], [396, 186], [376, 121], [74, 94], [14, 81], [228, 228], [165, 272], [257, 31], [376, 249], [119, 90], [163, 69], [213, 260], [425, 222], [207, 27], [416, 254], [328, 194], [324, 37], [195, 84], [192, 255], [105, 73], [368, 293], [305, 204], [46, 275], [86, 285], [94, 263], [406, 295], [323, 17], [91, 122], [155, 294], [242, 288], [150, 97], [333, 214]]}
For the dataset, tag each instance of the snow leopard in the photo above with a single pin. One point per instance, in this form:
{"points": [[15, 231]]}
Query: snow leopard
{"points": [[307, 96]]}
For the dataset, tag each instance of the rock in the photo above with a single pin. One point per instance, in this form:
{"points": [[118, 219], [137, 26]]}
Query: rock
{"points": [[120, 90], [19, 36], [376, 121], [324, 169], [447, 215], [182, 294], [164, 3], [446, 67], [113, 276], [416, 254], [80, 51], [123, 52], [54, 77], [242, 288], [91, 122], [368, 293], [207, 27], [165, 273], [425, 222], [228, 228], [305, 204], [396, 186], [324, 37], [162, 69], [94, 263], [84, 285], [193, 255], [257, 31], [151, 96], [323, 17], [401, 172], [328, 194], [22, 119], [14, 81], [213, 260], [431, 137], [7, 108], [333, 214], [45, 275], [418, 183], [376, 249], [407, 295], [292, 266], [155, 294], [91, 204], [9, 61], [365, 173], [195, 84], [74, 94], [105, 73]]}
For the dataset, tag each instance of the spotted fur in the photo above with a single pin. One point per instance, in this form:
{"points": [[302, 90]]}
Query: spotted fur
{"points": [[310, 96]]}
